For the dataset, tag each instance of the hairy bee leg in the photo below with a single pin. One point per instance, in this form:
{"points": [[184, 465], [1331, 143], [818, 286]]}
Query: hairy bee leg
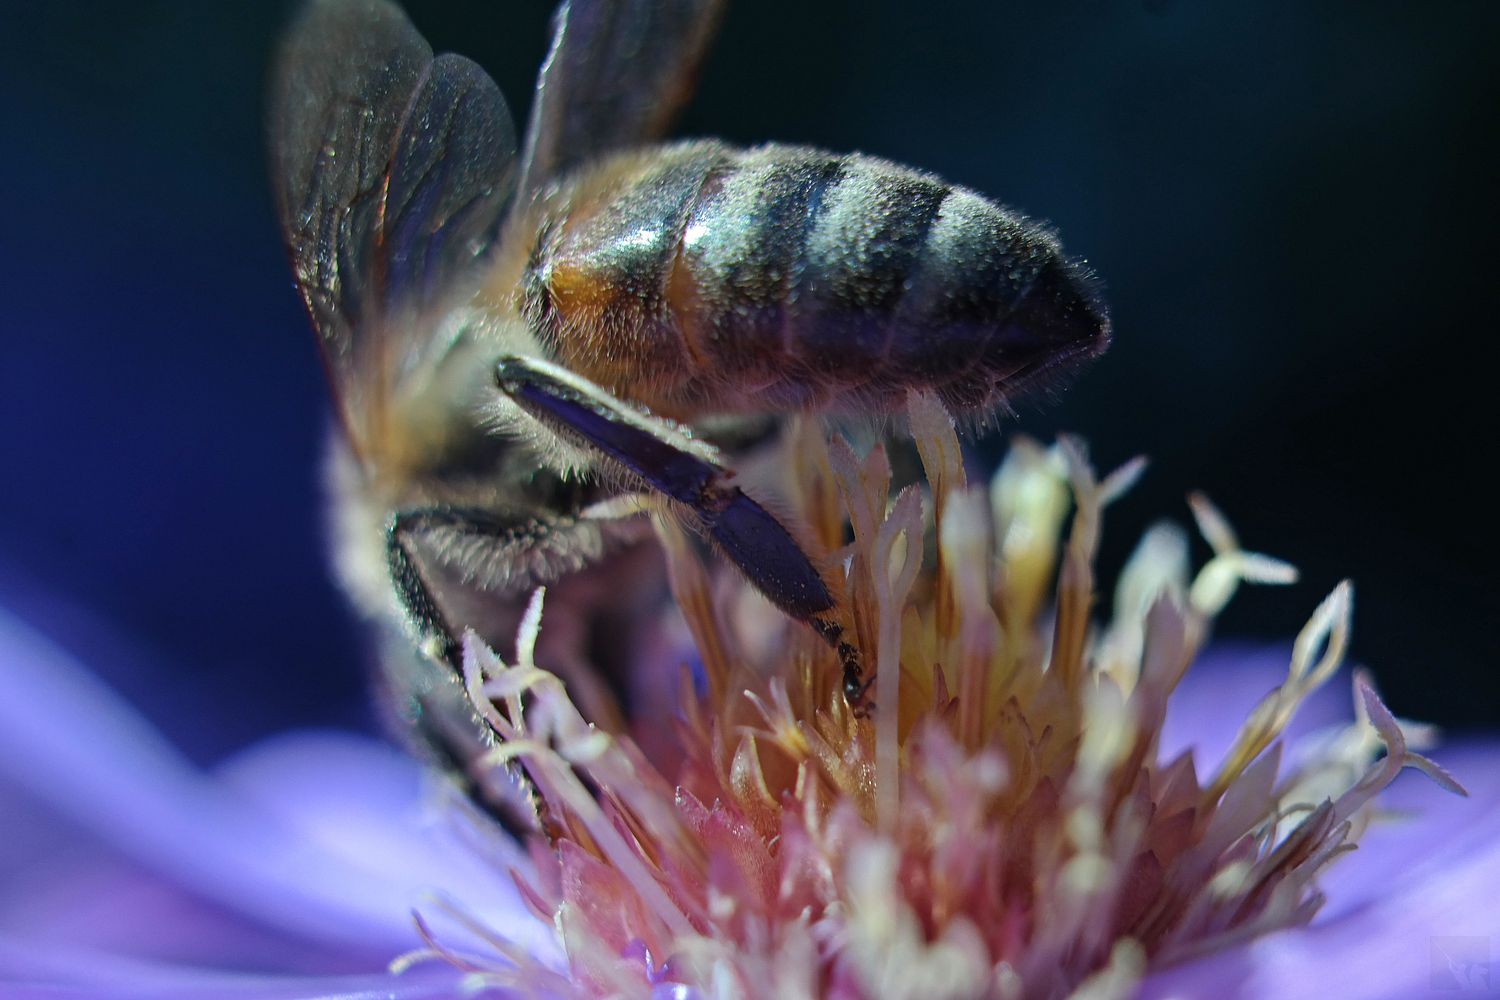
{"points": [[484, 548], [684, 469], [447, 722], [464, 537], [454, 736], [434, 634]]}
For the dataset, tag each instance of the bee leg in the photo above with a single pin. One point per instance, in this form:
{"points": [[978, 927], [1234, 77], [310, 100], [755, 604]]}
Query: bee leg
{"points": [[485, 553], [448, 725], [476, 542], [457, 742], [675, 464], [435, 635]]}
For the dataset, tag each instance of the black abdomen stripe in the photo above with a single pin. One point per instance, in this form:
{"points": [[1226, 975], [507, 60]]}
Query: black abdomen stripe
{"points": [[801, 260], [743, 253], [864, 248]]}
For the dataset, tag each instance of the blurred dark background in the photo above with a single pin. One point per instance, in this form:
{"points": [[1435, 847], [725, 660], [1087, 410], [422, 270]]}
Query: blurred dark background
{"points": [[1292, 205]]}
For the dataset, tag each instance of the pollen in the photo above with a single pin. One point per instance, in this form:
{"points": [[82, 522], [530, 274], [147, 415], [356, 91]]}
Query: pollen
{"points": [[1001, 822]]}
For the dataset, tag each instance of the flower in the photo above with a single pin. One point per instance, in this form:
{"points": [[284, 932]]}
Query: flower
{"points": [[1026, 804]]}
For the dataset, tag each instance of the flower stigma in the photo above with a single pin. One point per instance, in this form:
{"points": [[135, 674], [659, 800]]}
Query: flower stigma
{"points": [[1003, 821]]}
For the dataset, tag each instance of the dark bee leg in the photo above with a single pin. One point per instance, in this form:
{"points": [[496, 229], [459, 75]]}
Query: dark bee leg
{"points": [[500, 538], [434, 635], [446, 722], [682, 468], [456, 740]]}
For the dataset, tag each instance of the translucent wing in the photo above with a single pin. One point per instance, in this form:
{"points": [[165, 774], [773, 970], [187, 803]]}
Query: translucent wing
{"points": [[616, 76], [392, 170]]}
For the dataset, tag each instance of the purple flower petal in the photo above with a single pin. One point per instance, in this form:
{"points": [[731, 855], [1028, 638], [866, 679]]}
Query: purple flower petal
{"points": [[1411, 913], [309, 852], [1422, 831], [375, 807], [90, 905], [1219, 690], [62, 973]]}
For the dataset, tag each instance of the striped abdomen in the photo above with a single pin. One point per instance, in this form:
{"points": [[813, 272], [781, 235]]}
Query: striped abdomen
{"points": [[697, 277]]}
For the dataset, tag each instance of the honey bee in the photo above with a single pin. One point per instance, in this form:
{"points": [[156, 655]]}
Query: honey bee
{"points": [[516, 333]]}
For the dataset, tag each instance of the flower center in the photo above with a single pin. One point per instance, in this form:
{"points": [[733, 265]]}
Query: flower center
{"points": [[999, 819]]}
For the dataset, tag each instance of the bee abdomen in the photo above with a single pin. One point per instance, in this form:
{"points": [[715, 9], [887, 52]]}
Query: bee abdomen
{"points": [[784, 276]]}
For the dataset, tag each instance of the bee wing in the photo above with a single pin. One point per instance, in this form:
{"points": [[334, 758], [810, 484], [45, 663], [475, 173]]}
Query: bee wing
{"points": [[616, 76], [392, 170]]}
